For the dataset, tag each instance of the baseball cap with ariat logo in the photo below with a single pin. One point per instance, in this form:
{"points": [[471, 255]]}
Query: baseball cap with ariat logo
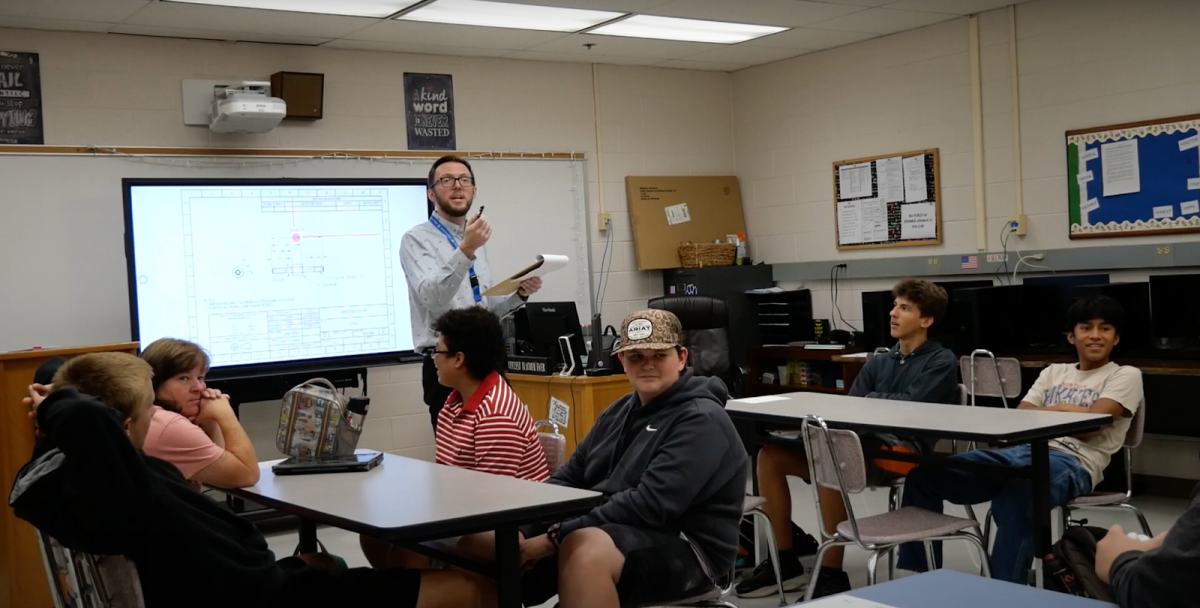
{"points": [[651, 330]]}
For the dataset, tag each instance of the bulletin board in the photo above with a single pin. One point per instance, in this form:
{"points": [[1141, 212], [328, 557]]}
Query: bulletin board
{"points": [[1134, 179], [891, 200]]}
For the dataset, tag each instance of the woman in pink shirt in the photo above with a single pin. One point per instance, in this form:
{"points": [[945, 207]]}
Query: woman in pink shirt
{"points": [[193, 427]]}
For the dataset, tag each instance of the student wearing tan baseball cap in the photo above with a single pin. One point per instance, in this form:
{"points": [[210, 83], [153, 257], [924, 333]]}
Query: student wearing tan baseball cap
{"points": [[673, 471]]}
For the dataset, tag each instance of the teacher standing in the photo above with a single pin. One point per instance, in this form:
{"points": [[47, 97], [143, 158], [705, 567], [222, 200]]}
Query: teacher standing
{"points": [[446, 267]]}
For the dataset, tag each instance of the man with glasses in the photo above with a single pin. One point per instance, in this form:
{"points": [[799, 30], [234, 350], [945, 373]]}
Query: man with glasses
{"points": [[446, 266]]}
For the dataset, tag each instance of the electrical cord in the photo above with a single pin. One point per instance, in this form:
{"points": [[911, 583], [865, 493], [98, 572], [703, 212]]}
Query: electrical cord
{"points": [[602, 284], [1002, 270], [836, 306]]}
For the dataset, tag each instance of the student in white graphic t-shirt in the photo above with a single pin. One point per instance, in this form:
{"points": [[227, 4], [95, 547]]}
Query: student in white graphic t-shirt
{"points": [[1094, 385]]}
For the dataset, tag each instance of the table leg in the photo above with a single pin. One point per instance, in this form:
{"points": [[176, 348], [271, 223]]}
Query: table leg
{"points": [[308, 536], [1040, 459], [508, 568]]}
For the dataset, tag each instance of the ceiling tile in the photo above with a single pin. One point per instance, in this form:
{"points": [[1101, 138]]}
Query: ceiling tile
{"points": [[707, 66], [441, 34], [790, 13], [62, 25], [571, 57], [229, 19], [811, 39], [112, 11], [882, 21], [206, 34], [621, 46], [745, 54], [419, 49], [954, 7]]}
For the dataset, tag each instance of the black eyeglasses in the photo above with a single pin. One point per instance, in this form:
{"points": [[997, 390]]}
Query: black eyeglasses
{"points": [[448, 182]]}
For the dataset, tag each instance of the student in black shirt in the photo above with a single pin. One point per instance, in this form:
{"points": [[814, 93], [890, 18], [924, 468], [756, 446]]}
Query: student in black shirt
{"points": [[90, 487]]}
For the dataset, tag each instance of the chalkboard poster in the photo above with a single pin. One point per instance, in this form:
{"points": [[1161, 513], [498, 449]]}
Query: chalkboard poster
{"points": [[429, 107], [20, 99]]}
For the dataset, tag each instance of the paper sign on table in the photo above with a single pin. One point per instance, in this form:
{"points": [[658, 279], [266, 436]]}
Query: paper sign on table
{"points": [[844, 601], [544, 265], [560, 412]]}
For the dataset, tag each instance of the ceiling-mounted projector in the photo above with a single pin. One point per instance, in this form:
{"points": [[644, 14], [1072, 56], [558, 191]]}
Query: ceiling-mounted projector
{"points": [[245, 107]]}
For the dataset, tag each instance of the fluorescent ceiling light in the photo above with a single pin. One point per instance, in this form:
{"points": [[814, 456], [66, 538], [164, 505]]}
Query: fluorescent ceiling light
{"points": [[691, 30], [509, 15], [354, 8]]}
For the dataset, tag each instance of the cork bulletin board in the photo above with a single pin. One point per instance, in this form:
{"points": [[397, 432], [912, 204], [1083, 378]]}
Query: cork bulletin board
{"points": [[891, 200]]}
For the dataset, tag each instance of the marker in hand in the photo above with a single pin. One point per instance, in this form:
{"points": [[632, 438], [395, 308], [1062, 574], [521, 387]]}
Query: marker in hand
{"points": [[480, 214]]}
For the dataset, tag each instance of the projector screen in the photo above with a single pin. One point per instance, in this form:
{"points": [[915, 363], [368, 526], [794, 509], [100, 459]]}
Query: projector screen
{"points": [[273, 274]]}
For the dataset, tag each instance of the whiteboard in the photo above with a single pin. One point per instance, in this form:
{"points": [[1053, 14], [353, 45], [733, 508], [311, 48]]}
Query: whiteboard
{"points": [[63, 275]]}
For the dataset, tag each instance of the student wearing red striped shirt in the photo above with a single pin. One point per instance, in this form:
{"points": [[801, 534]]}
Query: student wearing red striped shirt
{"points": [[483, 426]]}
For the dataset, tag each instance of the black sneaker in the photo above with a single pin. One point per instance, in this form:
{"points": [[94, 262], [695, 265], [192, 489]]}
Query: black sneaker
{"points": [[761, 583], [803, 543], [831, 581]]}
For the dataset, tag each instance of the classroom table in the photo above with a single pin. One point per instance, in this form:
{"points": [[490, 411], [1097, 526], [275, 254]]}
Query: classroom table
{"points": [[410, 501], [1003, 427], [952, 589]]}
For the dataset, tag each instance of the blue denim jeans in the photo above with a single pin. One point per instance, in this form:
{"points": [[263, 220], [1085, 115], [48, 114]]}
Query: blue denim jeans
{"points": [[1012, 503]]}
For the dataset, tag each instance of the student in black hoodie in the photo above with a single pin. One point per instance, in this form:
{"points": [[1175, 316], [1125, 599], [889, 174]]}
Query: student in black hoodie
{"points": [[91, 488], [673, 471], [1156, 573], [916, 369]]}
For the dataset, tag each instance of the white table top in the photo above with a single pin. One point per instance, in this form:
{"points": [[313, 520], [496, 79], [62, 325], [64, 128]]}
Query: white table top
{"points": [[945, 421], [407, 499]]}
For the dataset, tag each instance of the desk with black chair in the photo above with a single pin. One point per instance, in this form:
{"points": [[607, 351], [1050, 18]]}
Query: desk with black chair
{"points": [[940, 421], [411, 501]]}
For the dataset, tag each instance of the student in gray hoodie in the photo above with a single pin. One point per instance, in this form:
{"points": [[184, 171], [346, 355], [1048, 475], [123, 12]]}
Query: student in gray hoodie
{"points": [[915, 369], [673, 471]]}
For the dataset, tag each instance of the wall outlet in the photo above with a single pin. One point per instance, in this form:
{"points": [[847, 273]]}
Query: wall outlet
{"points": [[604, 221], [1018, 225]]}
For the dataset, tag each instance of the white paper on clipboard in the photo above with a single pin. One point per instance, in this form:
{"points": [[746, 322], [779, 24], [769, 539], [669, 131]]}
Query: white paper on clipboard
{"points": [[545, 264]]}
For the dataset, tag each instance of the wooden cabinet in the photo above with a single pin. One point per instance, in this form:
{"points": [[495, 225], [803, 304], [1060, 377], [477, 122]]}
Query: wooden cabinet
{"points": [[22, 576], [829, 364], [587, 396]]}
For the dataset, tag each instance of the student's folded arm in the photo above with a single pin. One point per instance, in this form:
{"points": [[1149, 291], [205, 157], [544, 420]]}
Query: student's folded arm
{"points": [[105, 478], [865, 380], [929, 386], [1165, 577], [694, 452], [435, 283]]}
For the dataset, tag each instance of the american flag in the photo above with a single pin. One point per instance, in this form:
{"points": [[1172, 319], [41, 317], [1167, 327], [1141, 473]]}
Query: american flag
{"points": [[970, 262]]}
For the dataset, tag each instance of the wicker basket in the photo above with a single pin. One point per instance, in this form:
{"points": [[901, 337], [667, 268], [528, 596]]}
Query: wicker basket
{"points": [[700, 255]]}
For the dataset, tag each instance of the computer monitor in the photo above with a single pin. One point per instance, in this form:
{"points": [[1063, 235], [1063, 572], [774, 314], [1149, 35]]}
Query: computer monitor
{"points": [[989, 318], [1174, 300], [946, 332], [550, 321]]}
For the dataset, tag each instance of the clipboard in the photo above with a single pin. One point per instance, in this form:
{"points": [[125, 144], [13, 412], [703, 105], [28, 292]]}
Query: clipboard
{"points": [[545, 264]]}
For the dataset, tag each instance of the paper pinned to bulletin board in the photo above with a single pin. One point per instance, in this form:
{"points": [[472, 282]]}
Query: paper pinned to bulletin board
{"points": [[893, 200], [1134, 179], [667, 211]]}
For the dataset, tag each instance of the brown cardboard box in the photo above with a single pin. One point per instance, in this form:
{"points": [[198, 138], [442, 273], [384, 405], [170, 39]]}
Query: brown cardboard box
{"points": [[660, 224]]}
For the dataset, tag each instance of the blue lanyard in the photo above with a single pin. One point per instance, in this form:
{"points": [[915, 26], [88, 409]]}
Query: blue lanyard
{"points": [[454, 245]]}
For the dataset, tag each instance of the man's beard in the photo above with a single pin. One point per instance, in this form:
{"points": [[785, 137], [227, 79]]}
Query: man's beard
{"points": [[444, 206]]}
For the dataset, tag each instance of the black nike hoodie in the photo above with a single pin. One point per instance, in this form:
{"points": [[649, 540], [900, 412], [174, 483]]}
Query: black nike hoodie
{"points": [[674, 465], [89, 488]]}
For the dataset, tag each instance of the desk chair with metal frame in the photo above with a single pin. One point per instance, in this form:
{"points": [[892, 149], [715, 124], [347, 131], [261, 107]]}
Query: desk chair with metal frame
{"points": [[1117, 501], [836, 461], [79, 579], [1002, 378]]}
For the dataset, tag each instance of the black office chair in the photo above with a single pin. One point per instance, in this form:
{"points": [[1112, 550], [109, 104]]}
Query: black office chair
{"points": [[705, 321]]}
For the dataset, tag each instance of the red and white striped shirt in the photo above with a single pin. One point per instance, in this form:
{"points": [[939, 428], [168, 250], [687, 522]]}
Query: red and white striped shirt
{"points": [[492, 432]]}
